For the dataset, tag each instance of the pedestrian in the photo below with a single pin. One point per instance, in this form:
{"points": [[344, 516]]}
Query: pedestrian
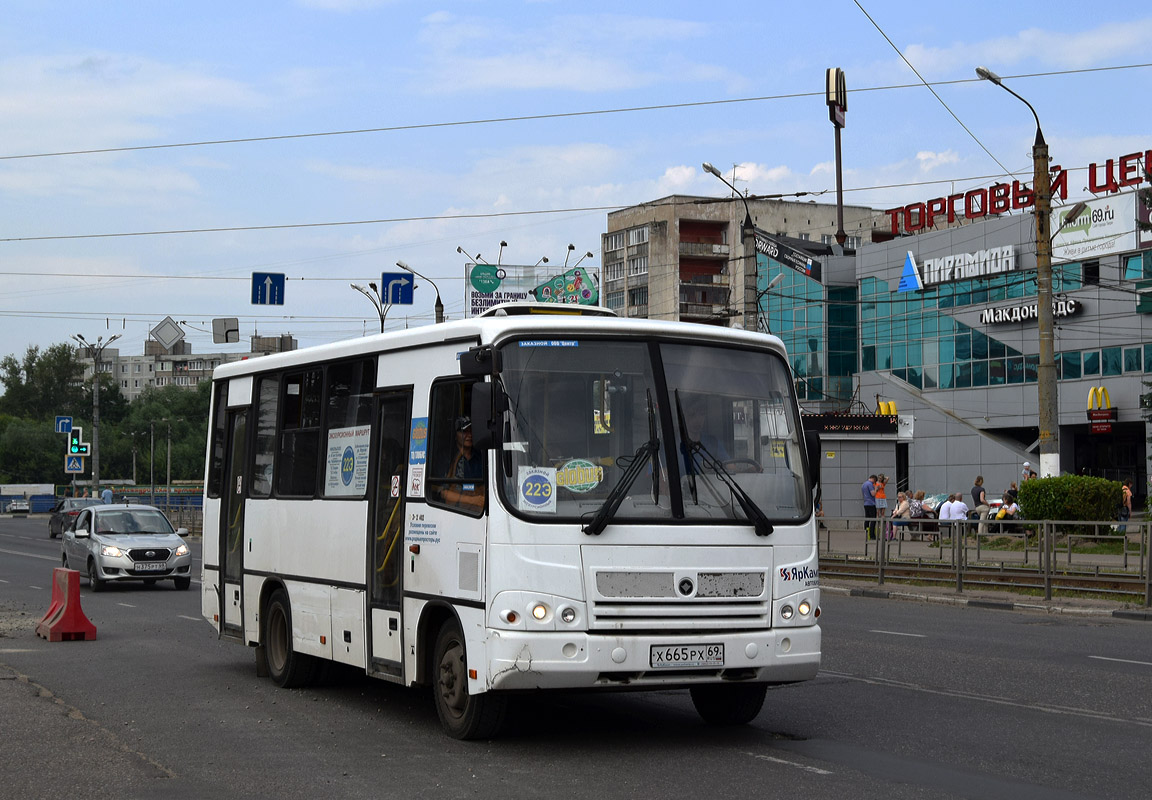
{"points": [[980, 504], [1125, 506], [881, 500], [900, 515], [1012, 494], [106, 496], [868, 492], [1026, 472]]}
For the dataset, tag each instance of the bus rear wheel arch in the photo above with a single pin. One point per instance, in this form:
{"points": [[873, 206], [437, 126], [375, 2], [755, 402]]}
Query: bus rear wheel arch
{"points": [[462, 715], [286, 667]]}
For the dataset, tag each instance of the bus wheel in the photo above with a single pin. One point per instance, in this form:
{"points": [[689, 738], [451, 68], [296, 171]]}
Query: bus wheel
{"points": [[462, 715], [729, 703], [286, 667]]}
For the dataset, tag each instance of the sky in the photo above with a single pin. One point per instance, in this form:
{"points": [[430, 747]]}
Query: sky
{"points": [[154, 156]]}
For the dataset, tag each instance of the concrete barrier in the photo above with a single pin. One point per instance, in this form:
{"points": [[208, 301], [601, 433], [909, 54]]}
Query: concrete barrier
{"points": [[65, 620]]}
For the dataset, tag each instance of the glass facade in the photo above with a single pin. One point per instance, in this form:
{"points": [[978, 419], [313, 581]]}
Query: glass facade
{"points": [[912, 336]]}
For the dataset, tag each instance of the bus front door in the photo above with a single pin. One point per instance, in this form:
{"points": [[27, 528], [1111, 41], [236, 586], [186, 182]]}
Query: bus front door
{"points": [[232, 526], [386, 532]]}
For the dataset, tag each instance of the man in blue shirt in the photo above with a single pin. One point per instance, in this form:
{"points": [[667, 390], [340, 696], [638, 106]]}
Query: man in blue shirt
{"points": [[868, 490], [106, 496]]}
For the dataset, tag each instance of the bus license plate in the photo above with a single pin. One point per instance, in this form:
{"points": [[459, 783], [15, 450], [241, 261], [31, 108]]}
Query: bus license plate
{"points": [[151, 566], [686, 656]]}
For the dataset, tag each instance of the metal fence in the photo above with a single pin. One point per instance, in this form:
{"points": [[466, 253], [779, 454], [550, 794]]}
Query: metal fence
{"points": [[1101, 557]]}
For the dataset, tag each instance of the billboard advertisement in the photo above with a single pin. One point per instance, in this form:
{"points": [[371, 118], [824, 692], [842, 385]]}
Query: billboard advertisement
{"points": [[486, 285], [1107, 226]]}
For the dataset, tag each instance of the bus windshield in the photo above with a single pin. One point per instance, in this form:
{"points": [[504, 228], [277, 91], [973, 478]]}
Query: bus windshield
{"points": [[640, 431]]}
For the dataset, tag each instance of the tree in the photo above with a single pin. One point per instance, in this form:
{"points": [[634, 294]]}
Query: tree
{"points": [[43, 383], [30, 451]]}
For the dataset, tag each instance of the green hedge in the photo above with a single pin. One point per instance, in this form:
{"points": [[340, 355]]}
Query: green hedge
{"points": [[1070, 497]]}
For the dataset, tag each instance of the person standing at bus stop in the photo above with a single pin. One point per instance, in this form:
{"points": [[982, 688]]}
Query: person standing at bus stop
{"points": [[868, 491], [980, 504], [1125, 506]]}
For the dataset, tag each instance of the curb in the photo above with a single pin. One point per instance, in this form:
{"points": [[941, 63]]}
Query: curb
{"points": [[1140, 615]]}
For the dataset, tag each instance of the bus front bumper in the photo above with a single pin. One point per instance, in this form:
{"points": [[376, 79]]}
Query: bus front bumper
{"points": [[555, 660]]}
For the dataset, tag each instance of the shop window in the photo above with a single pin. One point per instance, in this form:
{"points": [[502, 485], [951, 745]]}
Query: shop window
{"points": [[1111, 361], [1015, 370], [931, 377], [1148, 358], [979, 373], [1031, 368], [979, 345], [1070, 365], [1131, 359], [947, 376], [964, 375], [1091, 273], [997, 372], [996, 349], [1091, 363]]}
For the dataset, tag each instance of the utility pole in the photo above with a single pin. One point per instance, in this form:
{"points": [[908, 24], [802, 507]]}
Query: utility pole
{"points": [[748, 246], [96, 351]]}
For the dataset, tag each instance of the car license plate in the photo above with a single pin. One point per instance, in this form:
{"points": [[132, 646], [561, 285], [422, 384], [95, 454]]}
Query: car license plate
{"points": [[151, 566], [686, 656]]}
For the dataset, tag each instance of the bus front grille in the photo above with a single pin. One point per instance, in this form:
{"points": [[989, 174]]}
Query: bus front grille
{"points": [[679, 600]]}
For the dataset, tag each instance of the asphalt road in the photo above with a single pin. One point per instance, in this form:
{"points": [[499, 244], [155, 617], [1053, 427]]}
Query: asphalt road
{"points": [[914, 700]]}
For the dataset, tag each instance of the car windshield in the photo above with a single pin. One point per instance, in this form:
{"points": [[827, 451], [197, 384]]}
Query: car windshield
{"points": [[650, 431], [132, 521]]}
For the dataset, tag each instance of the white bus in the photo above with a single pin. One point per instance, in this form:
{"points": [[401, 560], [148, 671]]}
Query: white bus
{"points": [[516, 502]]}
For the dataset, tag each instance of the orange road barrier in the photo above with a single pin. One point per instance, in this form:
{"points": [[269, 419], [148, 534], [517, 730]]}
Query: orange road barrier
{"points": [[65, 620]]}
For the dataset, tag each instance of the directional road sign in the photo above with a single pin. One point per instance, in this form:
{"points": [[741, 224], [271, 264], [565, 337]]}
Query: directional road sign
{"points": [[73, 464], [63, 424], [267, 288], [396, 288]]}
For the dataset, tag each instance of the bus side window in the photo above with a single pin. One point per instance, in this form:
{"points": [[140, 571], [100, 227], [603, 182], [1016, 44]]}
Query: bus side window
{"points": [[457, 476]]}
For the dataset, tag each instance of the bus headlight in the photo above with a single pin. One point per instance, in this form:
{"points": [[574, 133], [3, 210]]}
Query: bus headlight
{"points": [[804, 608], [568, 614], [786, 612], [540, 611]]}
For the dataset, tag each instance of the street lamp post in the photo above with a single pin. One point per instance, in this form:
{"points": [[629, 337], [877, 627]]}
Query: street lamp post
{"points": [[96, 351], [748, 245], [439, 304], [377, 302], [1048, 415]]}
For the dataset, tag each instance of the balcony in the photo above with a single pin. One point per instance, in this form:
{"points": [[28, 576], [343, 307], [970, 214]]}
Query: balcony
{"points": [[704, 250]]}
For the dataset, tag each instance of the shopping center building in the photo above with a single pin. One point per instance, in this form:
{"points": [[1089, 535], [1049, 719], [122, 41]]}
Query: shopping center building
{"points": [[918, 356]]}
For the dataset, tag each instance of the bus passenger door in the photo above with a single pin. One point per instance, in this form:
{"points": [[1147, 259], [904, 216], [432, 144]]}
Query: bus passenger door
{"points": [[386, 534], [233, 493]]}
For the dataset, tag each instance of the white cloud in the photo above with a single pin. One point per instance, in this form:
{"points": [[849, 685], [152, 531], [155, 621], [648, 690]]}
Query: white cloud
{"points": [[929, 161]]}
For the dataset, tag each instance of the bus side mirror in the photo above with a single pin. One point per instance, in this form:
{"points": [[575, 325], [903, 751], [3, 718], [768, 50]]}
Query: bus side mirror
{"points": [[812, 445], [479, 362], [487, 409]]}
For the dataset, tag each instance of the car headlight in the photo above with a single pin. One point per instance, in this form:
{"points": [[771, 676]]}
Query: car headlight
{"points": [[182, 550], [111, 550]]}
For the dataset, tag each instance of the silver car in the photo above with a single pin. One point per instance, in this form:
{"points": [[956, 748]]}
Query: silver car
{"points": [[126, 542]]}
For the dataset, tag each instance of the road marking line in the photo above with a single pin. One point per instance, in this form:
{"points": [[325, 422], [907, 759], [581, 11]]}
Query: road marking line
{"points": [[1002, 701], [898, 633], [37, 588], [194, 619], [126, 605], [1123, 660], [804, 767]]}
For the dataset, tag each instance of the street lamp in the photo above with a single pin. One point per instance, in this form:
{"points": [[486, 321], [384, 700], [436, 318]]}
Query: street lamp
{"points": [[95, 350], [586, 255], [1048, 415], [439, 305], [377, 303], [748, 242]]}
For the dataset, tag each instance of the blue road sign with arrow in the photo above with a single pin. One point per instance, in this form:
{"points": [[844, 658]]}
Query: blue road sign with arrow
{"points": [[63, 424], [267, 288], [396, 288]]}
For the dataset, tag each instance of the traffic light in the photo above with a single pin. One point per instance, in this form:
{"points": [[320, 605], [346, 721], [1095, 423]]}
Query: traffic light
{"points": [[76, 445]]}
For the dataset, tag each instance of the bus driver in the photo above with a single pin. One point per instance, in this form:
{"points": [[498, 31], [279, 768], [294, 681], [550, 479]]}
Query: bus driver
{"points": [[467, 466]]}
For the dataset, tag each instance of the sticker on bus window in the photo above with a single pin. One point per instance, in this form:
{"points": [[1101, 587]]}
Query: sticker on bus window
{"points": [[537, 490], [579, 476], [549, 343]]}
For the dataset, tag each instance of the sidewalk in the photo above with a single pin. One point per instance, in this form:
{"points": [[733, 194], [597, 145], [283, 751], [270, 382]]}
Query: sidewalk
{"points": [[982, 598]]}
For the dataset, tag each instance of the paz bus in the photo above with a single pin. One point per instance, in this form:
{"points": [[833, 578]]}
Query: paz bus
{"points": [[517, 502]]}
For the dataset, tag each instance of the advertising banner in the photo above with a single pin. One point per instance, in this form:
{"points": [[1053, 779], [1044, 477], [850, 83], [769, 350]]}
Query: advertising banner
{"points": [[786, 255], [1107, 226], [486, 285]]}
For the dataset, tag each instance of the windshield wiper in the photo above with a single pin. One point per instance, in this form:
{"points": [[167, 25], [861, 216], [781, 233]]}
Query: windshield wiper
{"points": [[645, 453], [694, 450]]}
